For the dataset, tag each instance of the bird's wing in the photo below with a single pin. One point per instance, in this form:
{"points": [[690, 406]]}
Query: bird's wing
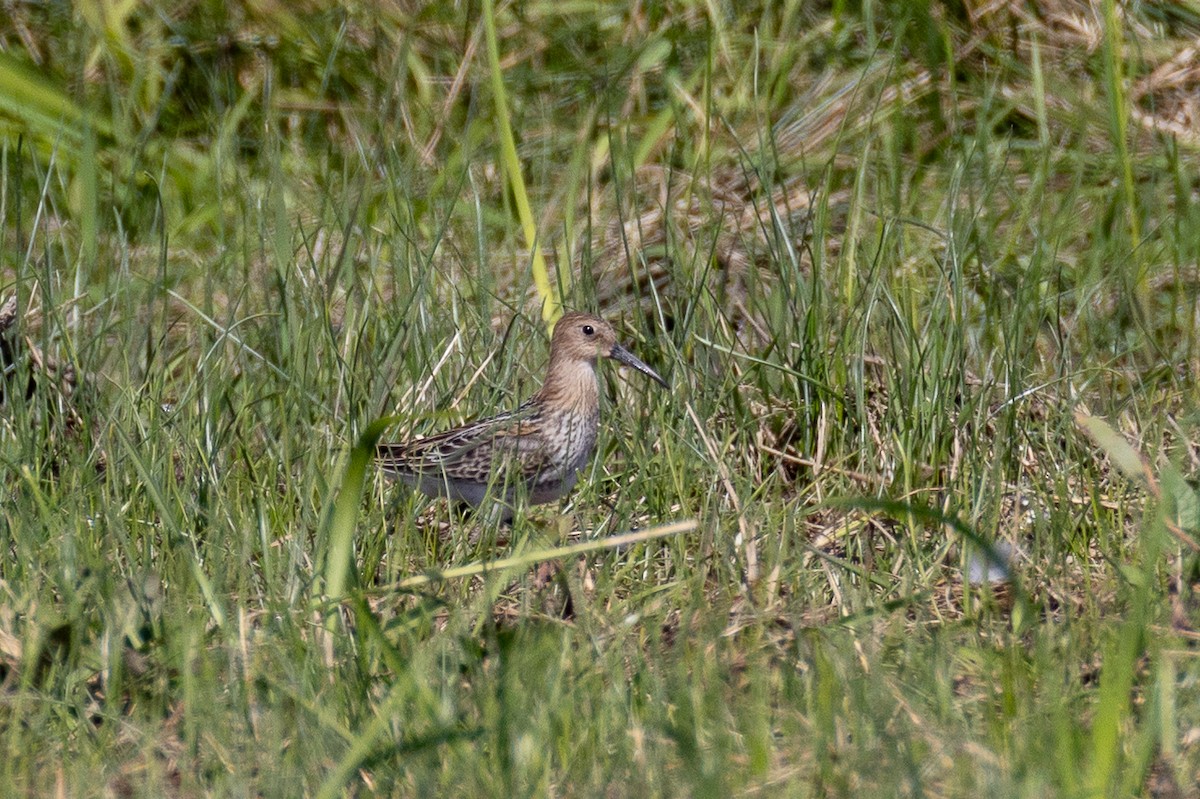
{"points": [[523, 445], [471, 447]]}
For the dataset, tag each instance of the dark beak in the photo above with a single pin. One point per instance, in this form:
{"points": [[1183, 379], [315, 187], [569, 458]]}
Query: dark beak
{"points": [[626, 357]]}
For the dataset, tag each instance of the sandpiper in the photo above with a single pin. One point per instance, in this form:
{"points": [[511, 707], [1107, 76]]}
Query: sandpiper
{"points": [[544, 444]]}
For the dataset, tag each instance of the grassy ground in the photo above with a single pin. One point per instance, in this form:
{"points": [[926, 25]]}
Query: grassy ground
{"points": [[923, 278]]}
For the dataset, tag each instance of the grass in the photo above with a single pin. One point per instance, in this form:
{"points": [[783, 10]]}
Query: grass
{"points": [[923, 278]]}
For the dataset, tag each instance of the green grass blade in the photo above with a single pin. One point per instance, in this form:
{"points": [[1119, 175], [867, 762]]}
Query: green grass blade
{"points": [[339, 534], [547, 291]]}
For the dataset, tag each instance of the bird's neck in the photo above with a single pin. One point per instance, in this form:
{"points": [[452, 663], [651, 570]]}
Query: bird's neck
{"points": [[571, 386]]}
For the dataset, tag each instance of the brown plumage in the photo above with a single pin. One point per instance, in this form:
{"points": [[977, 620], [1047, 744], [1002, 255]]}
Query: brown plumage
{"points": [[544, 444]]}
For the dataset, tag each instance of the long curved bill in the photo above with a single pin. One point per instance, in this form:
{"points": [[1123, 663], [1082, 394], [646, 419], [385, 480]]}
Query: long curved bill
{"points": [[626, 357]]}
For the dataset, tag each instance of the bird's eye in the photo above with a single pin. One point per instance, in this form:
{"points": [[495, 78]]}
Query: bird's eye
{"points": [[588, 330]]}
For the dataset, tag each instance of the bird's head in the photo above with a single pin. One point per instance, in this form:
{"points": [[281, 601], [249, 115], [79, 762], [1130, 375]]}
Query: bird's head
{"points": [[580, 337]]}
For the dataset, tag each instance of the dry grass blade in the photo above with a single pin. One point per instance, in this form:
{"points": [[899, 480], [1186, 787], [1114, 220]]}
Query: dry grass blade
{"points": [[502, 565]]}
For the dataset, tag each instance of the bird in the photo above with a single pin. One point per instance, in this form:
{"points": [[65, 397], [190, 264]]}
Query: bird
{"points": [[542, 445]]}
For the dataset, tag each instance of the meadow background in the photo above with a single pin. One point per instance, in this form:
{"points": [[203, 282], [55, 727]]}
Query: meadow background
{"points": [[923, 278]]}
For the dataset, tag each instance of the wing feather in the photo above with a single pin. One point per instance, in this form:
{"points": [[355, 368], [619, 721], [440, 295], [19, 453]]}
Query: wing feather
{"points": [[470, 449]]}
